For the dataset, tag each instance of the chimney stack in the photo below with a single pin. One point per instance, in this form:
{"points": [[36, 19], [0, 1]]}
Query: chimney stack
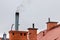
{"points": [[16, 21], [51, 24], [32, 33]]}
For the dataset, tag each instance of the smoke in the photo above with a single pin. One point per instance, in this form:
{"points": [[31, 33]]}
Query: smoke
{"points": [[22, 7]]}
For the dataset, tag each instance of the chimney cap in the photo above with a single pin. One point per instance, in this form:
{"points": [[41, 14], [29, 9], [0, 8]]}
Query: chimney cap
{"points": [[17, 13], [52, 22]]}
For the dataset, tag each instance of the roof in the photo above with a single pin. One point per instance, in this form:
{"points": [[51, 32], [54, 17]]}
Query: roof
{"points": [[55, 26], [52, 34]]}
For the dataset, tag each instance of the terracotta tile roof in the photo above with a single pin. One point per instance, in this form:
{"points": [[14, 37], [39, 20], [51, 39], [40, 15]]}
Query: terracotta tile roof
{"points": [[55, 26]]}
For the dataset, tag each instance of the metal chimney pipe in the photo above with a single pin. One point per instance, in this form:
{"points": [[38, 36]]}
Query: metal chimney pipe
{"points": [[4, 36], [16, 21], [33, 25], [48, 19]]}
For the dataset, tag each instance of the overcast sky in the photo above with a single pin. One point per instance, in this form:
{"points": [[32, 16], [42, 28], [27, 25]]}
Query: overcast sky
{"points": [[31, 11]]}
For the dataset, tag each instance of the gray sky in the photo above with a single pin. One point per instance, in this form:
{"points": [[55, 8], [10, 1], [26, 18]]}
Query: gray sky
{"points": [[31, 11]]}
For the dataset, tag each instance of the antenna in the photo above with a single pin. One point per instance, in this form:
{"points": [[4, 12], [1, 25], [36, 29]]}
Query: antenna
{"points": [[12, 26]]}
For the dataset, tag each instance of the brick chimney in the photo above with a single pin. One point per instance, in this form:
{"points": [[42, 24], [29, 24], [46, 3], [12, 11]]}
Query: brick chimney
{"points": [[51, 24], [16, 34], [32, 33]]}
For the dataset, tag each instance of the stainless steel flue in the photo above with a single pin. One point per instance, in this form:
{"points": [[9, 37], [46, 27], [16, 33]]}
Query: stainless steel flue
{"points": [[16, 21]]}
